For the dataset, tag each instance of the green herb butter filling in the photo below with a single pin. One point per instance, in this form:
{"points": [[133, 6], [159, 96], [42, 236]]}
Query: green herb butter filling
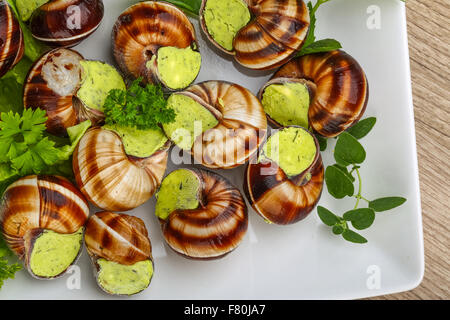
{"points": [[139, 143], [224, 19], [179, 190], [287, 103], [53, 252], [117, 278], [27, 7], [293, 149], [192, 119], [97, 80], [178, 68]]}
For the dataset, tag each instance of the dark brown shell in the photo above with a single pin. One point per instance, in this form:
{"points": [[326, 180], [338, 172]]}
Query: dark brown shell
{"points": [[117, 237], [66, 22], [213, 230], [36, 203], [281, 199], [275, 34], [52, 84], [241, 120], [341, 89], [111, 179], [11, 39], [142, 29]]}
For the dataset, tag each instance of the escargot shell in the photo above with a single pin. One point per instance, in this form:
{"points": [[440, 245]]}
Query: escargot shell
{"points": [[275, 34], [144, 28], [66, 22], [213, 230], [117, 237], [242, 124], [111, 179], [34, 203], [341, 89], [11, 39], [281, 199]]}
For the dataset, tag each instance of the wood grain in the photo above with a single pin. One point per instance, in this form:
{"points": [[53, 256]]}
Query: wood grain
{"points": [[428, 35]]}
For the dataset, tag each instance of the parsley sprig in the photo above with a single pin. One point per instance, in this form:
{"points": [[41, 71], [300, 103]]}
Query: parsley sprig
{"points": [[140, 107], [340, 180], [7, 269]]}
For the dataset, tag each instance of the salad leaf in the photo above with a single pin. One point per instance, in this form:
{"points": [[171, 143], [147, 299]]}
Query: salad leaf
{"points": [[7, 269], [189, 6]]}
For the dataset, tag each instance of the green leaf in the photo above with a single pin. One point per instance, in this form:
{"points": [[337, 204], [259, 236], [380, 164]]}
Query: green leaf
{"points": [[338, 230], [388, 203], [189, 6], [345, 170], [75, 134], [327, 217], [11, 95], [20, 71], [361, 218], [348, 150], [362, 128], [324, 45], [323, 142], [354, 237], [338, 183]]}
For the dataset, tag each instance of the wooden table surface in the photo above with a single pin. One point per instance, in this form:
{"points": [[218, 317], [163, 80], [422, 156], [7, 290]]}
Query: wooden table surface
{"points": [[429, 38]]}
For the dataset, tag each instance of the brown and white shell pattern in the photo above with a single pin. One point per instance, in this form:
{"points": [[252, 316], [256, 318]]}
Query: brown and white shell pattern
{"points": [[11, 39], [242, 124], [34, 203], [117, 237], [111, 179], [341, 89]]}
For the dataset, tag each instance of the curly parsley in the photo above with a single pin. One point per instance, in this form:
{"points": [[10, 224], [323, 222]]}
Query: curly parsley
{"points": [[140, 107]]}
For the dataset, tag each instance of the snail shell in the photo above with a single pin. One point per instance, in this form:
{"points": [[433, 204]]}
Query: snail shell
{"points": [[213, 230], [274, 35], [117, 237], [111, 179], [341, 90], [281, 199], [66, 22], [144, 28], [242, 124], [36, 203], [11, 39]]}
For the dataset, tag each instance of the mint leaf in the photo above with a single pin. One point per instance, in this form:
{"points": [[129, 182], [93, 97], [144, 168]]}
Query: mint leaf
{"points": [[362, 128], [354, 237], [388, 203], [348, 150], [361, 218], [324, 45], [327, 217], [345, 170], [338, 183], [338, 230]]}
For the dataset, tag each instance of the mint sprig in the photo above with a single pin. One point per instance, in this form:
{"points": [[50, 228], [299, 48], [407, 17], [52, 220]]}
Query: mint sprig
{"points": [[340, 180]]}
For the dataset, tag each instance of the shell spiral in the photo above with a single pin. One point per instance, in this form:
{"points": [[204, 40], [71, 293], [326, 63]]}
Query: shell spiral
{"points": [[66, 22], [214, 229], [11, 39], [242, 125], [111, 179], [117, 237], [34, 203], [277, 31], [341, 92], [142, 29]]}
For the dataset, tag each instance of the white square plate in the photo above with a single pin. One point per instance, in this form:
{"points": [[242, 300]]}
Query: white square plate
{"points": [[305, 260]]}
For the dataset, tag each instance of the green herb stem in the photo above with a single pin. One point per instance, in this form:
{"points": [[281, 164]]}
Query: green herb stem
{"points": [[358, 196]]}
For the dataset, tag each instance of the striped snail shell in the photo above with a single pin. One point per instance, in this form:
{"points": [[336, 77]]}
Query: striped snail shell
{"points": [[34, 204], [11, 39], [281, 199], [143, 29], [216, 227], [340, 89], [118, 238], [241, 129], [274, 34], [111, 179], [66, 22]]}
